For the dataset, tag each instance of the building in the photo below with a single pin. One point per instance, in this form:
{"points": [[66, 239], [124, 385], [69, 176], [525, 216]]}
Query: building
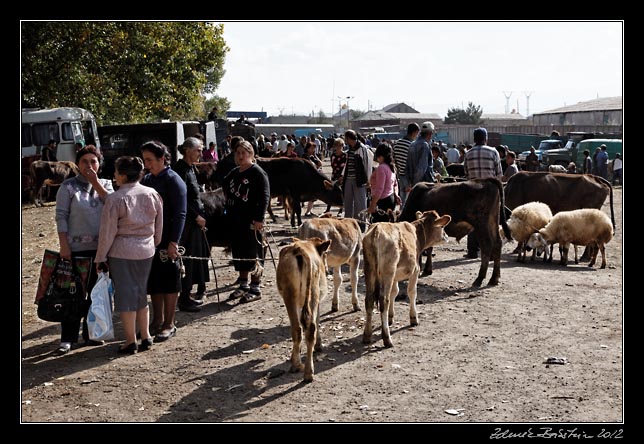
{"points": [[511, 119], [395, 115], [606, 111]]}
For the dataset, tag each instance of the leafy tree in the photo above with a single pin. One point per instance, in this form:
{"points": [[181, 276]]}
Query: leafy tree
{"points": [[471, 115], [123, 71], [357, 113], [222, 104]]}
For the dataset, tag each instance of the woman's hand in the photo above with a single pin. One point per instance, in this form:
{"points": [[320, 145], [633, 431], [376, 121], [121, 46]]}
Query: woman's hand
{"points": [[259, 226], [201, 222], [173, 254]]}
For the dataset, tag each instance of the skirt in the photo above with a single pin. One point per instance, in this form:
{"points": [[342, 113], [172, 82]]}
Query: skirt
{"points": [[130, 280], [165, 277]]}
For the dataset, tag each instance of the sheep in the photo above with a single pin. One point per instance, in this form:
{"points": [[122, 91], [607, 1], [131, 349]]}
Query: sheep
{"points": [[525, 220], [557, 169], [587, 226]]}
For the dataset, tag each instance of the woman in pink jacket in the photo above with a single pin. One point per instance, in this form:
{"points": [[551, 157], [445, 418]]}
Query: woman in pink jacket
{"points": [[384, 189]]}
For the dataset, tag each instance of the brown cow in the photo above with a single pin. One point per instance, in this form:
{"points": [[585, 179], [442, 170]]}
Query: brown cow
{"points": [[391, 254], [346, 243], [301, 280], [205, 172], [43, 173]]}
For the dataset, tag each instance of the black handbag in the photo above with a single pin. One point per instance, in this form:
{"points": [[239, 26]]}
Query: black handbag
{"points": [[64, 298]]}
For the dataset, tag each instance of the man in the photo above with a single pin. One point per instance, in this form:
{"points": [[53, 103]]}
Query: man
{"points": [[48, 152], [401, 148], [452, 155], [512, 168], [588, 163], [602, 162], [419, 158], [355, 178], [225, 147], [480, 162], [212, 115], [532, 161]]}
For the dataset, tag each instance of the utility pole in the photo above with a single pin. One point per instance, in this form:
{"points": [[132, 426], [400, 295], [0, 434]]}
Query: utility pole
{"points": [[507, 95], [527, 101]]}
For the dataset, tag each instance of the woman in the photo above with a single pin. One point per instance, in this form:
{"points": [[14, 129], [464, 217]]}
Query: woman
{"points": [[384, 187], [164, 282], [290, 151], [131, 227], [193, 236], [247, 195], [338, 161], [309, 154], [79, 203]]}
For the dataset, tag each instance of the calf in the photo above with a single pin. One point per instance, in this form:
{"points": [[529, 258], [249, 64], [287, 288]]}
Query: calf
{"points": [[391, 254], [557, 169], [43, 173], [587, 226], [525, 220], [346, 243], [301, 280]]}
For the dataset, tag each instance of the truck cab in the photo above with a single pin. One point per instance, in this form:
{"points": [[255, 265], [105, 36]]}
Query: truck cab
{"points": [[544, 147]]}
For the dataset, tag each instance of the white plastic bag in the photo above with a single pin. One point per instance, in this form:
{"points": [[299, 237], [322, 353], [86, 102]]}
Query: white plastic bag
{"points": [[99, 317]]}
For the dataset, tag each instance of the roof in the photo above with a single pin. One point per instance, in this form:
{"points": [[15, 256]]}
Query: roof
{"points": [[515, 116], [382, 115], [601, 104], [394, 105]]}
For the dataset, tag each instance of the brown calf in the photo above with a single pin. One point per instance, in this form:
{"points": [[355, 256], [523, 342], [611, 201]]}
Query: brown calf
{"points": [[391, 254], [346, 243], [301, 280]]}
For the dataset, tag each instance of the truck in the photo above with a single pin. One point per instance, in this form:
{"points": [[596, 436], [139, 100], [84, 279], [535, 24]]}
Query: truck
{"points": [[544, 146], [572, 152]]}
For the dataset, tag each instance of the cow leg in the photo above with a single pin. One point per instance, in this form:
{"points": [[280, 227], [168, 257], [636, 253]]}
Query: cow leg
{"points": [[318, 336], [593, 256], [484, 244], [412, 291], [296, 335], [384, 311], [496, 258], [296, 211], [310, 343], [354, 266], [602, 248], [371, 284], [337, 282], [428, 262], [392, 298], [270, 211]]}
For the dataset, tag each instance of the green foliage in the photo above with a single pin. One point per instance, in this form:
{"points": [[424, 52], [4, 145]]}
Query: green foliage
{"points": [[123, 72], [470, 115], [357, 113], [222, 104]]}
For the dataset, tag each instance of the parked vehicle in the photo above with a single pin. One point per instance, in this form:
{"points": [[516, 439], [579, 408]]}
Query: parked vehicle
{"points": [[544, 146], [573, 151]]}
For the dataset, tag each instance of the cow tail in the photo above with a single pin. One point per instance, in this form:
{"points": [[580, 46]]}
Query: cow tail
{"points": [[306, 282], [610, 187], [504, 223]]}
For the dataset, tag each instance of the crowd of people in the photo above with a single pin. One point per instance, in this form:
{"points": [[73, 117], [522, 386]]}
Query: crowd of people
{"points": [[140, 232]]}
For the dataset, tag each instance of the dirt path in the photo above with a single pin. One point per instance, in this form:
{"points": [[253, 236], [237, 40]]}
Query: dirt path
{"points": [[477, 351]]}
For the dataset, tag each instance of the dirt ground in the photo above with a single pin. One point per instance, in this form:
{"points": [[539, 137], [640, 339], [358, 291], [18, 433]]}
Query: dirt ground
{"points": [[477, 353]]}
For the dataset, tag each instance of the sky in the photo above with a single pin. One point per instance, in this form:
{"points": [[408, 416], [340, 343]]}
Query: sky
{"points": [[304, 67]]}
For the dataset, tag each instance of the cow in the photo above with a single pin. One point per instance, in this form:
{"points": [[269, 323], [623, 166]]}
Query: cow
{"points": [[475, 206], [561, 192], [296, 178], [217, 224], [346, 243], [301, 280], [43, 172], [205, 172], [391, 254]]}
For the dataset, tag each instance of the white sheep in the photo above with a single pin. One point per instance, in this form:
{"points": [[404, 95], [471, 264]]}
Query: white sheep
{"points": [[557, 169], [587, 226], [525, 220]]}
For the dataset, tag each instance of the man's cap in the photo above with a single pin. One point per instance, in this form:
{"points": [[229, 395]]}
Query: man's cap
{"points": [[480, 133], [427, 126], [602, 145]]}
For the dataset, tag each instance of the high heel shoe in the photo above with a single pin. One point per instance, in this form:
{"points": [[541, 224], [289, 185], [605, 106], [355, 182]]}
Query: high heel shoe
{"points": [[146, 344], [128, 349]]}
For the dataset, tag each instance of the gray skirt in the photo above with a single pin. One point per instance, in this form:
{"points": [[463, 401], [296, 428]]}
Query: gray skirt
{"points": [[130, 280]]}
